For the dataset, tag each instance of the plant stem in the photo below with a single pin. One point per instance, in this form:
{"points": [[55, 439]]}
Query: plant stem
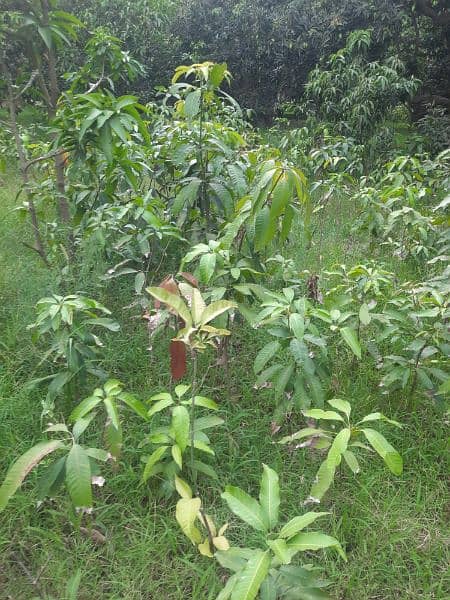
{"points": [[416, 367], [191, 421]]}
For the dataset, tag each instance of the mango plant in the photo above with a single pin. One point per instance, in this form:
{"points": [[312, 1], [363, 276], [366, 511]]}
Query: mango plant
{"points": [[108, 396], [267, 570], [174, 440], [76, 467], [69, 322], [342, 443]]}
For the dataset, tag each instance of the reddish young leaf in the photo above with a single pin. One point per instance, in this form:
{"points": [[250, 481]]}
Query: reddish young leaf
{"points": [[170, 285], [190, 278], [177, 359]]}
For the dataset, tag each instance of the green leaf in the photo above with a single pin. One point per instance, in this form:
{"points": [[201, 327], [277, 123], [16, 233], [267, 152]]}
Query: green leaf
{"points": [[204, 403], [113, 437], [315, 541], [233, 559], [297, 325], [186, 195], [207, 422], [78, 477], [296, 524], [46, 35], [154, 458], [23, 465], [350, 337], [264, 355], [197, 305], [269, 496], [159, 406], [139, 282], [52, 476], [252, 576], [303, 433], [112, 387], [206, 267], [281, 550], [182, 487], [177, 455], [225, 593], [245, 507], [351, 461], [186, 515], [180, 426], [112, 411], [180, 390], [262, 226], [268, 589], [81, 425], [377, 416], [323, 480], [282, 378], [207, 470], [339, 446], [364, 314], [136, 405], [217, 74], [192, 104], [174, 301], [215, 309], [318, 413], [341, 405], [387, 452], [84, 408]]}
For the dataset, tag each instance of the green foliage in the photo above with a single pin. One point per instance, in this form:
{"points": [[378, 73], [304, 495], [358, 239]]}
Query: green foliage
{"points": [[264, 569], [174, 440], [70, 323], [353, 93], [76, 467], [342, 444]]}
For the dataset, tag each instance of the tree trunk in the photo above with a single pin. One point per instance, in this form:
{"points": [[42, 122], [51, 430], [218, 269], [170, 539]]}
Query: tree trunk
{"points": [[52, 101], [11, 100]]}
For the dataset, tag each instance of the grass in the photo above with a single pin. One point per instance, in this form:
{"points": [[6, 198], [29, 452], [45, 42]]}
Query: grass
{"points": [[394, 529]]}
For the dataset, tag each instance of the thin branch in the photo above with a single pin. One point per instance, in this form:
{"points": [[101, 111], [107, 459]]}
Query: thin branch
{"points": [[30, 82], [45, 157]]}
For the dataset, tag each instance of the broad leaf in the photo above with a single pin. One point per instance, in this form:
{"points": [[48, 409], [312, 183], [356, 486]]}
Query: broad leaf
{"points": [[160, 405], [136, 405], [252, 576], [269, 496], [174, 302], [351, 461], [341, 405], [296, 524], [281, 550], [328, 415], [23, 465], [78, 477], [315, 541], [153, 459], [180, 426], [264, 355], [297, 325], [186, 515], [350, 337], [183, 488], [84, 408], [387, 452], [245, 507], [215, 309]]}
